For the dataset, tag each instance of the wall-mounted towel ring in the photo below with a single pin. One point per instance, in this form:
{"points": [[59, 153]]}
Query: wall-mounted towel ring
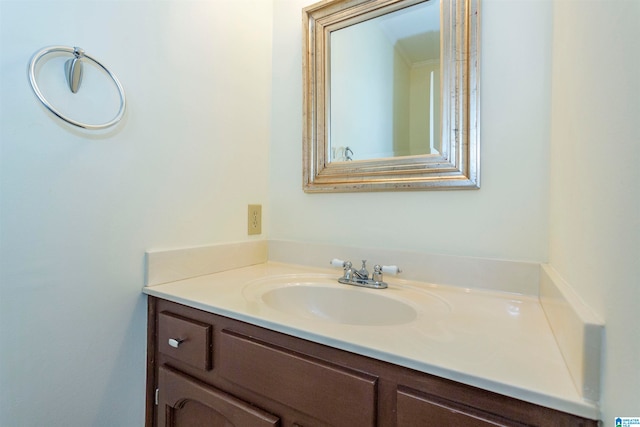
{"points": [[73, 69]]}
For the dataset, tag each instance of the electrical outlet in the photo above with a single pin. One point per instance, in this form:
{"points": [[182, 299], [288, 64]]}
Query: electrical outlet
{"points": [[254, 224]]}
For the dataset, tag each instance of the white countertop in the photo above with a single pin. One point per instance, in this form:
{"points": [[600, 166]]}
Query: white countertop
{"points": [[496, 341]]}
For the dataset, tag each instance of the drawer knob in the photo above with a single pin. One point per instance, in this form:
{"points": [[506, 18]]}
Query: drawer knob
{"points": [[175, 343]]}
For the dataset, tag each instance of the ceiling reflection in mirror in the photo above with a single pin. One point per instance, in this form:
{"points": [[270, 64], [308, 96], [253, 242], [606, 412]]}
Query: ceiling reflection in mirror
{"points": [[384, 82]]}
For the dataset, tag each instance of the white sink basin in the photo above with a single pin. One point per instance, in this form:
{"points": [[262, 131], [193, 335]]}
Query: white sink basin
{"points": [[321, 298], [339, 305]]}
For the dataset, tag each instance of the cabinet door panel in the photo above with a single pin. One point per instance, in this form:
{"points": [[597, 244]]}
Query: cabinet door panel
{"points": [[415, 409], [186, 402], [333, 394]]}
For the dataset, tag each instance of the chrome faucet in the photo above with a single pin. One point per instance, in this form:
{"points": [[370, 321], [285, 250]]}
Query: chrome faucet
{"points": [[361, 277]]}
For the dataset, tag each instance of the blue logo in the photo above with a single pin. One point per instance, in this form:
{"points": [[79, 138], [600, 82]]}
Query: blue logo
{"points": [[627, 421]]}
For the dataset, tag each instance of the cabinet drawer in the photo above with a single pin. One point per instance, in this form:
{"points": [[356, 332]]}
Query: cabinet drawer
{"points": [[185, 339], [333, 394]]}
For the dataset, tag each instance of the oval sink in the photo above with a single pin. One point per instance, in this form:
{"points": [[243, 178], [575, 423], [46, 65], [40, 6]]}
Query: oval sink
{"points": [[339, 305]]}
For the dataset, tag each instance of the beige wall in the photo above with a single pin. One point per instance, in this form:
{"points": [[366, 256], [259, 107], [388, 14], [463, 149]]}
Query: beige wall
{"points": [[565, 193], [424, 123], [507, 218], [595, 198]]}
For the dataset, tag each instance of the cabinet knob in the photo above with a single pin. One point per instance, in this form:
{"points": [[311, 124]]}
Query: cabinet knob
{"points": [[175, 343]]}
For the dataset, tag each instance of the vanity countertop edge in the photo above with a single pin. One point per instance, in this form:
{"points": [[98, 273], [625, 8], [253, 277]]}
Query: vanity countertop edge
{"points": [[492, 340]]}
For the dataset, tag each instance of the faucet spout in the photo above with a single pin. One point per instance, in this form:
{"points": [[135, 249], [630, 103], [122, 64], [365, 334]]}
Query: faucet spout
{"points": [[363, 273]]}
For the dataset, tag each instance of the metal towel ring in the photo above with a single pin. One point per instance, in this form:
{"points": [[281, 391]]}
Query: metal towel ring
{"points": [[74, 71]]}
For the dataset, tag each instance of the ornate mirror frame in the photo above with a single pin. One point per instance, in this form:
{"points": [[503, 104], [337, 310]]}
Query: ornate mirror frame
{"points": [[458, 164]]}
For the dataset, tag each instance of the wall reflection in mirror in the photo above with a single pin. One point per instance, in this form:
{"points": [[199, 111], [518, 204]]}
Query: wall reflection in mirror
{"points": [[390, 95], [384, 84]]}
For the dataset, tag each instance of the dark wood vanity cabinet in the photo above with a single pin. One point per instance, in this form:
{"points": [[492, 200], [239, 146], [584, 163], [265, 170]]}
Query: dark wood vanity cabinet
{"points": [[209, 370]]}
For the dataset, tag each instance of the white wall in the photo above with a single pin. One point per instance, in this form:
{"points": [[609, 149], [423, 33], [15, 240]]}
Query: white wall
{"points": [[507, 218], [595, 197], [78, 212], [365, 66]]}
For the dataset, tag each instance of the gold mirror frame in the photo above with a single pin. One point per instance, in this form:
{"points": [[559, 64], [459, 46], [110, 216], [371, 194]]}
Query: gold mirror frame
{"points": [[458, 164]]}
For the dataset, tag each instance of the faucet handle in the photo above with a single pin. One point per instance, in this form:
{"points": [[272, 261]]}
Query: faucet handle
{"points": [[337, 262], [377, 273], [391, 269], [379, 269], [340, 263], [346, 265]]}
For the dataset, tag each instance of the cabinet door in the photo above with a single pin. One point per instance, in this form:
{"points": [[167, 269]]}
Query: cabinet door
{"points": [[417, 409], [333, 394], [186, 402]]}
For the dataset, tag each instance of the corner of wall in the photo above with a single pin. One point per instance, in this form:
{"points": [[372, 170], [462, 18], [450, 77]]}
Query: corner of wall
{"points": [[578, 331]]}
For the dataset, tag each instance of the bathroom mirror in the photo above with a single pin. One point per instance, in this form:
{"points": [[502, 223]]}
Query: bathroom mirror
{"points": [[391, 96]]}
